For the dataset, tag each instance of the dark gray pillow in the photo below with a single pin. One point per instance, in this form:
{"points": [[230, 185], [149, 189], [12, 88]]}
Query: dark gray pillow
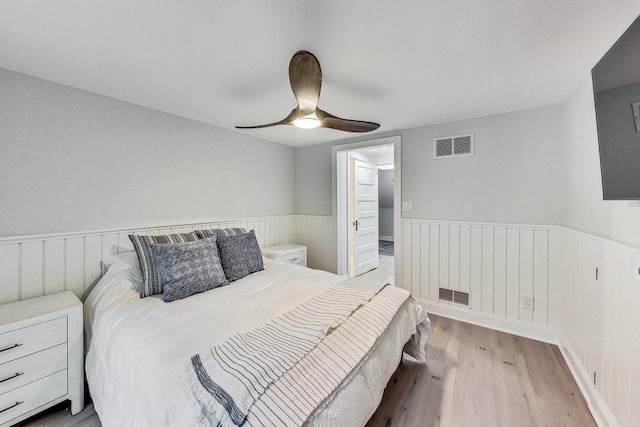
{"points": [[240, 255], [203, 234], [189, 268], [142, 245]]}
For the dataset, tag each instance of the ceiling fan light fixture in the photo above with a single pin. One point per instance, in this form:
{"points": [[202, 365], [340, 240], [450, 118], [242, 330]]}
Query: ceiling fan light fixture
{"points": [[307, 122], [305, 78]]}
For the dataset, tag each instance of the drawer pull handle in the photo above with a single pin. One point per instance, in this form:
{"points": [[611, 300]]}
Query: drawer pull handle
{"points": [[17, 374], [10, 347], [12, 406], [294, 259]]}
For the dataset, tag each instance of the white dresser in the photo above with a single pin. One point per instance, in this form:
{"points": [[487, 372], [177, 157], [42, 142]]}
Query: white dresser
{"points": [[41, 356], [292, 254]]}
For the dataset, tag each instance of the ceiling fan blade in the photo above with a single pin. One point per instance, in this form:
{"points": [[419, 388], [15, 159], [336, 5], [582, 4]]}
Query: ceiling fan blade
{"points": [[305, 77], [347, 125], [286, 121]]}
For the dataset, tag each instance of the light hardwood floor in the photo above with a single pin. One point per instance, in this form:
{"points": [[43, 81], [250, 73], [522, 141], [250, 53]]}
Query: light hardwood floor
{"points": [[480, 377], [59, 416], [384, 272]]}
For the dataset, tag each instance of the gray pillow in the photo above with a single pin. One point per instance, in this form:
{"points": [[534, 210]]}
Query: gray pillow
{"points": [[203, 234], [148, 266], [189, 268], [240, 255]]}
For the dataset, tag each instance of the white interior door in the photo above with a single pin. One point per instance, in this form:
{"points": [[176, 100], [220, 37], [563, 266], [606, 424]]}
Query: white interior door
{"points": [[364, 197]]}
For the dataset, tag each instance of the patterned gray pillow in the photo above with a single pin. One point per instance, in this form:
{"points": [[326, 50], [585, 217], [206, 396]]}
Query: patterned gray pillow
{"points": [[189, 268], [203, 234], [148, 266], [240, 255]]}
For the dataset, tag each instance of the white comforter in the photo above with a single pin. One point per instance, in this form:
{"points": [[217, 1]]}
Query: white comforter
{"points": [[137, 348]]}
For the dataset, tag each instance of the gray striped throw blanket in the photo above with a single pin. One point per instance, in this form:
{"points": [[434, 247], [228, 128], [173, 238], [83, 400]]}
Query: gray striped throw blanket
{"points": [[282, 371]]}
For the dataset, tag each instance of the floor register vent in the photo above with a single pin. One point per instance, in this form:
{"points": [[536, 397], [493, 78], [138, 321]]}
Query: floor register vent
{"points": [[457, 297], [453, 146]]}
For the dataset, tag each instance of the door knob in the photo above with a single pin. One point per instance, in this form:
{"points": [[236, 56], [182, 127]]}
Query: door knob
{"points": [[356, 223]]}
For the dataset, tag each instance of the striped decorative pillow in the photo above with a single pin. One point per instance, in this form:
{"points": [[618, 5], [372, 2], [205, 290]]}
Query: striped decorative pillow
{"points": [[148, 264], [203, 234]]}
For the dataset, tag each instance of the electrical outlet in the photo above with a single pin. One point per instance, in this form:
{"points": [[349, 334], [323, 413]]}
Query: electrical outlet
{"points": [[528, 303], [407, 206]]}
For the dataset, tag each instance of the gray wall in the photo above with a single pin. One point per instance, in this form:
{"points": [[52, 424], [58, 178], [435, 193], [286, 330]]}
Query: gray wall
{"points": [[582, 205], [71, 160], [514, 177], [314, 180], [385, 202]]}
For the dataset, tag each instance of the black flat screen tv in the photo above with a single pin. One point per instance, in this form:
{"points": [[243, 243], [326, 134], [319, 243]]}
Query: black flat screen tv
{"points": [[616, 89]]}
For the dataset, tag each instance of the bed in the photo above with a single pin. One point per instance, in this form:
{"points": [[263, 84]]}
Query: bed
{"points": [[137, 348]]}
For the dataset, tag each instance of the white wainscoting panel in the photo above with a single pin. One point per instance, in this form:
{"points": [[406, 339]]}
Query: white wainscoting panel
{"points": [[496, 264], [598, 321], [319, 234], [32, 266], [595, 321]]}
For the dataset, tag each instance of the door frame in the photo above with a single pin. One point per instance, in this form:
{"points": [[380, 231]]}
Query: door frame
{"points": [[340, 166]]}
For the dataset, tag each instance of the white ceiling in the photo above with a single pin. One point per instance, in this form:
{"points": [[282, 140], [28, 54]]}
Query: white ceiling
{"points": [[400, 63]]}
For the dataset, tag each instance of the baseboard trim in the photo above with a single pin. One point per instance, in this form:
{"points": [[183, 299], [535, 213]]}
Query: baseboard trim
{"points": [[386, 238], [598, 408], [515, 327]]}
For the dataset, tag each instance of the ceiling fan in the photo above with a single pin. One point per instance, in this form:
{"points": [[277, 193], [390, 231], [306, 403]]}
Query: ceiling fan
{"points": [[305, 77]]}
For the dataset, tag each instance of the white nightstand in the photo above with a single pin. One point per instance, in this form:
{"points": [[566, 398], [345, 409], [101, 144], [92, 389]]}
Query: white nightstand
{"points": [[41, 356], [292, 254]]}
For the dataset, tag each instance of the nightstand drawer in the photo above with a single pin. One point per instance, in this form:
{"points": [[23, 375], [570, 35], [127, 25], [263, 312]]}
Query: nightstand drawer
{"points": [[32, 396], [24, 341], [289, 253], [294, 258], [30, 368]]}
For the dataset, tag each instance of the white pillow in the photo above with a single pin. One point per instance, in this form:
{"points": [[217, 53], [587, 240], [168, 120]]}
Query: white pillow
{"points": [[109, 260], [127, 263]]}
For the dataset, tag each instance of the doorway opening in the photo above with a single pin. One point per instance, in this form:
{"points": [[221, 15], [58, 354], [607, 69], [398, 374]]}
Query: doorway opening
{"points": [[368, 195]]}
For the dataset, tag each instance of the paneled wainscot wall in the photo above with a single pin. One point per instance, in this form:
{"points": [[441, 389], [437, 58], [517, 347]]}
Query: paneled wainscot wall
{"points": [[585, 289], [32, 266], [597, 315], [498, 265], [586, 294]]}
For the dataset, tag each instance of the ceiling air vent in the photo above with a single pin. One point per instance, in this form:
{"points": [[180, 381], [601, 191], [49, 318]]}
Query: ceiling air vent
{"points": [[450, 295], [453, 146]]}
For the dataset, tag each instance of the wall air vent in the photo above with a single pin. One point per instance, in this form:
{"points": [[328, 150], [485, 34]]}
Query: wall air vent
{"points": [[453, 146], [450, 295], [445, 295], [444, 148], [461, 298]]}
